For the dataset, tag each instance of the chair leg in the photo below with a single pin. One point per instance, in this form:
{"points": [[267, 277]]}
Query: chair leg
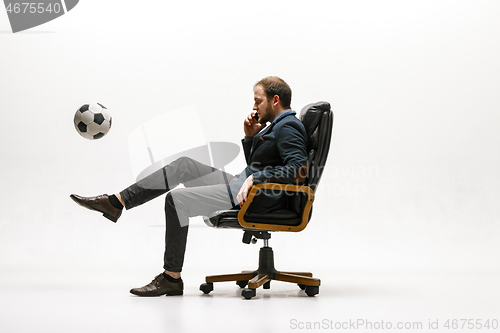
{"points": [[258, 281], [299, 279], [308, 274], [229, 277]]}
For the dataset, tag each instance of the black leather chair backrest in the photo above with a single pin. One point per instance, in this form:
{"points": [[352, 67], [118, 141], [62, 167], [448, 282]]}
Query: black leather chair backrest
{"points": [[318, 121]]}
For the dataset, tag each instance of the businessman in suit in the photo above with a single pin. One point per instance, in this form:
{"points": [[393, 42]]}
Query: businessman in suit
{"points": [[274, 153]]}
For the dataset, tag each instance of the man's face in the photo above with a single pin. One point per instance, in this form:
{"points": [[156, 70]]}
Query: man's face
{"points": [[262, 105]]}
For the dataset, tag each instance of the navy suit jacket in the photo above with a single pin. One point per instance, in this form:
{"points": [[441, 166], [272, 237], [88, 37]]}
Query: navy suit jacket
{"points": [[274, 155]]}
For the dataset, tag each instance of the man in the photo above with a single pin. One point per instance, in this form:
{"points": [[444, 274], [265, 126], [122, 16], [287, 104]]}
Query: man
{"points": [[274, 153]]}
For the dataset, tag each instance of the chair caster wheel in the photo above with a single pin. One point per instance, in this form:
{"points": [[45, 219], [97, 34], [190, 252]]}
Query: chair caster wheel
{"points": [[242, 284], [267, 285], [301, 286], [248, 293], [206, 287], [312, 290]]}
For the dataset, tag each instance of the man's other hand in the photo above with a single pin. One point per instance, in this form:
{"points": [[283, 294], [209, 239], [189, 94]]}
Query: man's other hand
{"points": [[243, 194]]}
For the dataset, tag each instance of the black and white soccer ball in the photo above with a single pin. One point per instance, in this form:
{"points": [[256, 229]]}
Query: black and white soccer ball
{"points": [[92, 121]]}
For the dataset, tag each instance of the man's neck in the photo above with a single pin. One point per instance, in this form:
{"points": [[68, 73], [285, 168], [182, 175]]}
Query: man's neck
{"points": [[277, 112]]}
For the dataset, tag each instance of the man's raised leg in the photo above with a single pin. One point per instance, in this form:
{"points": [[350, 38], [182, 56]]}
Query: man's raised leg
{"points": [[183, 170]]}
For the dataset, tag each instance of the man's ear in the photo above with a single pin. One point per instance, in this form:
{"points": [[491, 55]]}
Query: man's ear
{"points": [[276, 100]]}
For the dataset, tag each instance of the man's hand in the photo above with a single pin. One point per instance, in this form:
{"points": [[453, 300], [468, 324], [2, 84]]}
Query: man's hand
{"points": [[243, 193], [251, 126]]}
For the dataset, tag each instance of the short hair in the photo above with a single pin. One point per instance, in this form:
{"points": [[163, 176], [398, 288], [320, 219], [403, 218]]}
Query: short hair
{"points": [[273, 85]]}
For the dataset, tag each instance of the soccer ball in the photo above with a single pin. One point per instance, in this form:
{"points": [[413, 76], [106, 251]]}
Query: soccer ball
{"points": [[92, 121]]}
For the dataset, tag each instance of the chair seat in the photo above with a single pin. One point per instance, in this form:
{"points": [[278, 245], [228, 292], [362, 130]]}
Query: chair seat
{"points": [[229, 218]]}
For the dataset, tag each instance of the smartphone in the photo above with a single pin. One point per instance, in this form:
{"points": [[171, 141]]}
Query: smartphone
{"points": [[256, 116]]}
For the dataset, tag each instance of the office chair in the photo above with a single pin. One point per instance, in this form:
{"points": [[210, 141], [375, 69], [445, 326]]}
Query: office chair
{"points": [[318, 122]]}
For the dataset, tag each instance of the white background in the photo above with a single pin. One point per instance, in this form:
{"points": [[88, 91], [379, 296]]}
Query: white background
{"points": [[411, 182]]}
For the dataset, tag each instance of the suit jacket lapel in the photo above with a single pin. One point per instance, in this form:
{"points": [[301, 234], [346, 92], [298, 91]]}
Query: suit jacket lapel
{"points": [[257, 139]]}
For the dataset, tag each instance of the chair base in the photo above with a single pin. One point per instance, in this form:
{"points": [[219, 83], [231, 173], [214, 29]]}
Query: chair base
{"points": [[263, 276]]}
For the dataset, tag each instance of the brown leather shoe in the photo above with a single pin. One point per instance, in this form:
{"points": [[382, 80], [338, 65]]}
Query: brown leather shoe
{"points": [[100, 203], [160, 286]]}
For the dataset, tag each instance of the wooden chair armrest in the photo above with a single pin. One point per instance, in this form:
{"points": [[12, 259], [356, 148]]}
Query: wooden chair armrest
{"points": [[277, 187]]}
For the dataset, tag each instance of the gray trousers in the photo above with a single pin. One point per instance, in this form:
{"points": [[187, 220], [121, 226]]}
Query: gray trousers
{"points": [[205, 192]]}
